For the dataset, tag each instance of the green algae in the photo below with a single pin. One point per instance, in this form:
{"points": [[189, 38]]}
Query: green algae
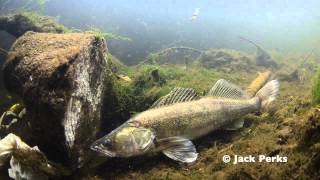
{"points": [[316, 88], [106, 35]]}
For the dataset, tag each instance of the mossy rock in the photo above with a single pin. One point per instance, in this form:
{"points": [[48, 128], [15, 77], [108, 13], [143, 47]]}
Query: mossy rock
{"points": [[59, 76], [18, 24], [225, 59], [311, 131]]}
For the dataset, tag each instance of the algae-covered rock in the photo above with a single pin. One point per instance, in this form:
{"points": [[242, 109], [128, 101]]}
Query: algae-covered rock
{"points": [[264, 59], [310, 141], [225, 59], [18, 24], [311, 131], [60, 78]]}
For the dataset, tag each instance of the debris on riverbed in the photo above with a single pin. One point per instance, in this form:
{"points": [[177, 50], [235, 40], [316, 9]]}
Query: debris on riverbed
{"points": [[27, 162]]}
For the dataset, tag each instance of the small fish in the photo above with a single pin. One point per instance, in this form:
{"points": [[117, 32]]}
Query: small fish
{"points": [[124, 77], [16, 108], [195, 14], [181, 116]]}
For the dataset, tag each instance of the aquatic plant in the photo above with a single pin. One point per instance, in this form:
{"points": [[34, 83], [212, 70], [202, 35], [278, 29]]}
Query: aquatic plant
{"points": [[116, 65], [41, 20], [41, 5], [316, 88], [150, 82], [106, 35]]}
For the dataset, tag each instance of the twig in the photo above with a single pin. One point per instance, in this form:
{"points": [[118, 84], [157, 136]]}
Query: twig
{"points": [[245, 39], [3, 50], [179, 48], [167, 50]]}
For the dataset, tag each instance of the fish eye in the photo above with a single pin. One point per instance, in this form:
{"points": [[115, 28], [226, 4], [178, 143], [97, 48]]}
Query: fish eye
{"points": [[107, 143]]}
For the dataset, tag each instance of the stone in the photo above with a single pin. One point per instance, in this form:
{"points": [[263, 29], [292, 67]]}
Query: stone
{"points": [[18, 24], [60, 78]]}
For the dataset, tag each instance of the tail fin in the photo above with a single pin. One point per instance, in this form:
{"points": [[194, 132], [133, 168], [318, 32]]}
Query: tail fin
{"points": [[268, 93]]}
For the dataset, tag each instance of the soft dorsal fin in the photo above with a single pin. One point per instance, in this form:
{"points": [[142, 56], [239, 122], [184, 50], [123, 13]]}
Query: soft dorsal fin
{"points": [[177, 95], [223, 88]]}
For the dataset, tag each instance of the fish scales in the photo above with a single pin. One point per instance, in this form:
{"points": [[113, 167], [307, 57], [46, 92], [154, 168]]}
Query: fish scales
{"points": [[187, 118]]}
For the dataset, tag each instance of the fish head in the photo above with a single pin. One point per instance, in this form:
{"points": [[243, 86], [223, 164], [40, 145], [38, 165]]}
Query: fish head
{"points": [[125, 141]]}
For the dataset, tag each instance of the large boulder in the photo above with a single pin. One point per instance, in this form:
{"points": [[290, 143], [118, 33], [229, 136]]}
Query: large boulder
{"points": [[60, 78]]}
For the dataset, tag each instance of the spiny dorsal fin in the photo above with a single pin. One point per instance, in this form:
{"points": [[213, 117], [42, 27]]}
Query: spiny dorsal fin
{"points": [[223, 88], [177, 95]]}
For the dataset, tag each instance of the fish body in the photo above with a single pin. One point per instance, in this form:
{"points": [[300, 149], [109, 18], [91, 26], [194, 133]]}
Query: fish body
{"points": [[181, 116], [195, 118]]}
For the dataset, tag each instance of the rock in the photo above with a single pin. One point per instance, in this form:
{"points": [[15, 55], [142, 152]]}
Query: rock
{"points": [[225, 59], [60, 78], [311, 130], [264, 59], [20, 23], [155, 75]]}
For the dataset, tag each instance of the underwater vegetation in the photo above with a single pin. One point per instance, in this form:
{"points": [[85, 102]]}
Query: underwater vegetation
{"points": [[290, 127], [272, 133], [316, 87], [105, 35], [291, 121]]}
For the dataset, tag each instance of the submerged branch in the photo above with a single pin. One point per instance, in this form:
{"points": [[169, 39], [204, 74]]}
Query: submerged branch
{"points": [[255, 44], [166, 51], [4, 51]]}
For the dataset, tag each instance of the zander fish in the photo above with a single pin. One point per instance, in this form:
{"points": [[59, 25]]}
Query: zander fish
{"points": [[182, 115]]}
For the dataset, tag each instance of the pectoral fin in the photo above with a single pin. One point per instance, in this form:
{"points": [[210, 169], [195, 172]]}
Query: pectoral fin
{"points": [[179, 149], [235, 125]]}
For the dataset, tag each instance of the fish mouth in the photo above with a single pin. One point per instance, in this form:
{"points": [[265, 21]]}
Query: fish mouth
{"points": [[102, 150]]}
